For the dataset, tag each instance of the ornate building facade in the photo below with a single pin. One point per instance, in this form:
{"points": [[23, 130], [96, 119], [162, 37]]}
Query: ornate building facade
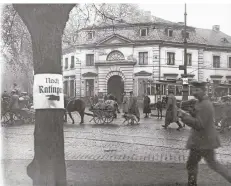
{"points": [[117, 58]]}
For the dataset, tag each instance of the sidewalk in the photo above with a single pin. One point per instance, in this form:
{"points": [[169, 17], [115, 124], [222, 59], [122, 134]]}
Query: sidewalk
{"points": [[105, 173]]}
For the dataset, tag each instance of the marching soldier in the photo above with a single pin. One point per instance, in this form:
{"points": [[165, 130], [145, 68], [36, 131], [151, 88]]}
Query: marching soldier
{"points": [[203, 138]]}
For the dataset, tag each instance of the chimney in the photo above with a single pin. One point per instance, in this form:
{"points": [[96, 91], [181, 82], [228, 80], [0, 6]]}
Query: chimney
{"points": [[216, 28]]}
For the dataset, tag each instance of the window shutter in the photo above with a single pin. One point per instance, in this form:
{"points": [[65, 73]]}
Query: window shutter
{"points": [[166, 31]]}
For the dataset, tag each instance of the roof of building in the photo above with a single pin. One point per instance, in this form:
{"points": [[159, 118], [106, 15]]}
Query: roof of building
{"points": [[215, 38], [156, 32]]}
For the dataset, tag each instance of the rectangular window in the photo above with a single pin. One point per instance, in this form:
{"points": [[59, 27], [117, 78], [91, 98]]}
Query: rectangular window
{"points": [[216, 61], [216, 82], [90, 35], [65, 87], [178, 90], [170, 32], [143, 58], [72, 88], [72, 61], [148, 90], [90, 60], [66, 63], [173, 88], [170, 58], [190, 90], [229, 62], [89, 87], [187, 34], [189, 59], [230, 83], [143, 32]]}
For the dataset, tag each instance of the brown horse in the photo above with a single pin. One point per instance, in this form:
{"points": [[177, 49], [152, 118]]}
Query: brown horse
{"points": [[72, 106]]}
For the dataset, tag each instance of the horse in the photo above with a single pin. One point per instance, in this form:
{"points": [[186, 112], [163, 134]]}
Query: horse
{"points": [[72, 106]]}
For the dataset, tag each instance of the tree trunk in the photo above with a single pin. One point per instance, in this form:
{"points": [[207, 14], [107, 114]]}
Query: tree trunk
{"points": [[46, 24]]}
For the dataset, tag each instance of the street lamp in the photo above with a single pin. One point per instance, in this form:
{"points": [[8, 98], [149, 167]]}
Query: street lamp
{"points": [[185, 78]]}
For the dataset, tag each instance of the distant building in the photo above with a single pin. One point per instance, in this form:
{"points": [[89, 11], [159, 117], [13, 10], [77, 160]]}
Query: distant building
{"points": [[122, 57]]}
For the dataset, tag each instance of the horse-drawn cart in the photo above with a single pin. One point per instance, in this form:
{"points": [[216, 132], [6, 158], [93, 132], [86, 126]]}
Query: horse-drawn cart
{"points": [[103, 112], [102, 116]]}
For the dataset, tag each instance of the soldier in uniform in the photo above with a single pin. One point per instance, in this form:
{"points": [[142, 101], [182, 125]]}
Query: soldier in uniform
{"points": [[203, 138]]}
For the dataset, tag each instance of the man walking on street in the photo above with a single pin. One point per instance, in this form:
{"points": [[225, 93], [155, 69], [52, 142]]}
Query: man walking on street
{"points": [[203, 138], [171, 111], [159, 108]]}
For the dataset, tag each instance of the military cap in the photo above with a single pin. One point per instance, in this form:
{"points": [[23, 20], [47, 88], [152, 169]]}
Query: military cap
{"points": [[199, 84]]}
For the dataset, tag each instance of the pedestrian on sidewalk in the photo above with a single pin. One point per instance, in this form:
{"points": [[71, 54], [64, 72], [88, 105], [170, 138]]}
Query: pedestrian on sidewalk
{"points": [[146, 106], [171, 111], [204, 137], [159, 108]]}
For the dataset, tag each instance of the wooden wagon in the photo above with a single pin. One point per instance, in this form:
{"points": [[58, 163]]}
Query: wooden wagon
{"points": [[102, 113]]}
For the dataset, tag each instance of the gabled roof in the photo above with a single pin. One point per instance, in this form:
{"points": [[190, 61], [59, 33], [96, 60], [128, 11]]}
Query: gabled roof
{"points": [[115, 39], [128, 32]]}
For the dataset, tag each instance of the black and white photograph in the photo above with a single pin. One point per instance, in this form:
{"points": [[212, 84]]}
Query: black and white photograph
{"points": [[115, 93]]}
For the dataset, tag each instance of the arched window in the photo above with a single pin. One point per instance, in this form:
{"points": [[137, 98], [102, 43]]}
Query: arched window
{"points": [[115, 55]]}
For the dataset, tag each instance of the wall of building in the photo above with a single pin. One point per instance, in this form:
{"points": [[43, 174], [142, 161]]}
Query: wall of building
{"points": [[179, 60], [208, 65], [201, 66]]}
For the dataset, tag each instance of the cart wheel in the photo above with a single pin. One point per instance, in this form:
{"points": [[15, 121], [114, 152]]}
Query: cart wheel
{"points": [[99, 117], [109, 117], [5, 118]]}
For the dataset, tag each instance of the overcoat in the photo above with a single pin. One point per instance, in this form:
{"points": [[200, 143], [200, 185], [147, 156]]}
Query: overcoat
{"points": [[125, 104], [146, 103], [133, 107], [171, 110], [203, 134]]}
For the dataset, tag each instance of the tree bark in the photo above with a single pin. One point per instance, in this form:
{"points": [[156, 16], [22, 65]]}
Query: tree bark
{"points": [[46, 24]]}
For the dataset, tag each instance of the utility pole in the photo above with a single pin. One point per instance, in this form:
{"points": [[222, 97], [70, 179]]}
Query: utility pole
{"points": [[185, 78]]}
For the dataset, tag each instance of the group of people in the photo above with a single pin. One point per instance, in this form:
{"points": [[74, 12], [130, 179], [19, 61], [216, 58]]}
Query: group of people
{"points": [[15, 101], [147, 106], [203, 139]]}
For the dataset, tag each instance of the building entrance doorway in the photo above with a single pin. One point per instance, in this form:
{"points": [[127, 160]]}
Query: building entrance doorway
{"points": [[115, 86]]}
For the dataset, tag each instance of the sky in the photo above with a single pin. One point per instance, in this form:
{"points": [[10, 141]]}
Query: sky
{"points": [[198, 15]]}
